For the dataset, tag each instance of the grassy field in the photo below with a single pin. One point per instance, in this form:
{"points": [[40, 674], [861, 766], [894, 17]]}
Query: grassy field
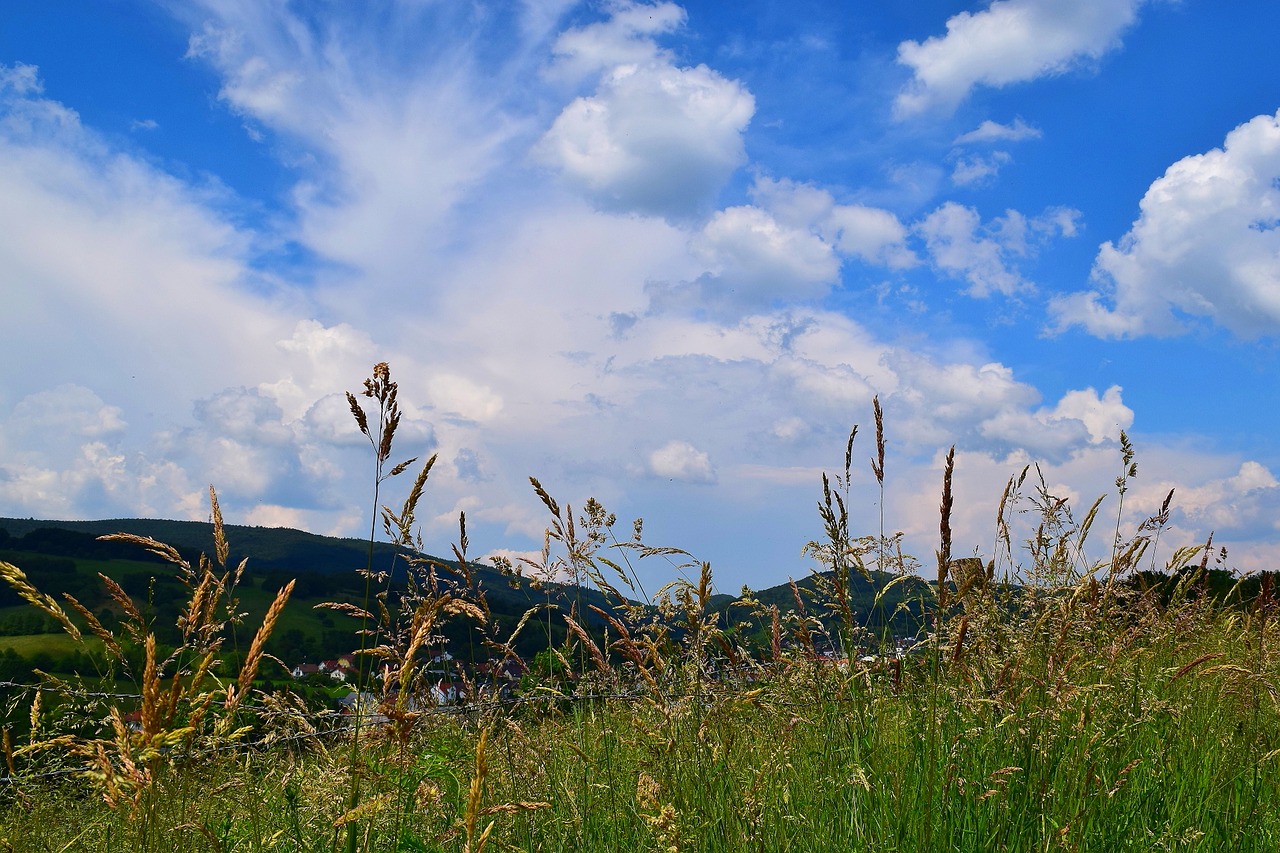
{"points": [[56, 644], [1167, 741], [1051, 704]]}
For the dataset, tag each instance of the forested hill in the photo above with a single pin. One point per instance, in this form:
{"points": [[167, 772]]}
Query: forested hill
{"points": [[54, 552], [66, 557], [269, 548]]}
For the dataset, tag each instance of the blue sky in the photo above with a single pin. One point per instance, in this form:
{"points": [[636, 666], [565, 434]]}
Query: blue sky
{"points": [[660, 254]]}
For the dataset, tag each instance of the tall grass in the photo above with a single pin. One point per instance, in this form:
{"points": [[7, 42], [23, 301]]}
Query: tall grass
{"points": [[1051, 703], [186, 707]]}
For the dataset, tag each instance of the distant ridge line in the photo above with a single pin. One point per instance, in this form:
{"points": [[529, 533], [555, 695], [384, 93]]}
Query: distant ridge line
{"points": [[19, 527]]}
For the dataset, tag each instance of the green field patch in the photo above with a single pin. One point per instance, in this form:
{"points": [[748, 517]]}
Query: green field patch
{"points": [[57, 645]]}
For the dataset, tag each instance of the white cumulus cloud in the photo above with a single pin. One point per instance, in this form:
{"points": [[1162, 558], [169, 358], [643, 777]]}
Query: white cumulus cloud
{"points": [[1011, 41], [625, 37], [68, 409], [959, 244], [1081, 418], [653, 138], [1206, 245], [756, 259], [870, 234], [680, 460], [986, 254]]}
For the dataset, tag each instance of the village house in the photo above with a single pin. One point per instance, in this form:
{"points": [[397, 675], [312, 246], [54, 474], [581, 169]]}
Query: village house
{"points": [[339, 669]]}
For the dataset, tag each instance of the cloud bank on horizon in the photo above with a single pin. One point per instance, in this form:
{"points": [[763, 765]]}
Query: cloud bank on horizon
{"points": [[663, 255]]}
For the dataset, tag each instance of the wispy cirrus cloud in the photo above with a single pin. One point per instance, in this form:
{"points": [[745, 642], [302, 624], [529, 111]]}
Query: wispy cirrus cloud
{"points": [[991, 131], [107, 254], [976, 170]]}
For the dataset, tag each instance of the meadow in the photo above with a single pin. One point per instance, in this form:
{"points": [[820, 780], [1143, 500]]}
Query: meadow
{"points": [[1044, 702]]}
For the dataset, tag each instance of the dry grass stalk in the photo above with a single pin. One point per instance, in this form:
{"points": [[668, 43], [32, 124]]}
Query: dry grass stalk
{"points": [[944, 527], [352, 610], [628, 647], [1008, 499], [34, 715], [133, 617], [661, 818], [474, 843], [96, 628], [221, 549], [165, 552], [150, 691], [848, 453], [369, 807], [957, 649], [515, 808], [249, 670], [1123, 777], [596, 656], [17, 579], [1195, 663], [877, 464], [8, 752], [775, 634]]}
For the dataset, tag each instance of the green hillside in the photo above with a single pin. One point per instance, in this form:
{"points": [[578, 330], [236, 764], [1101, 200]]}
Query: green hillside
{"points": [[66, 557]]}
